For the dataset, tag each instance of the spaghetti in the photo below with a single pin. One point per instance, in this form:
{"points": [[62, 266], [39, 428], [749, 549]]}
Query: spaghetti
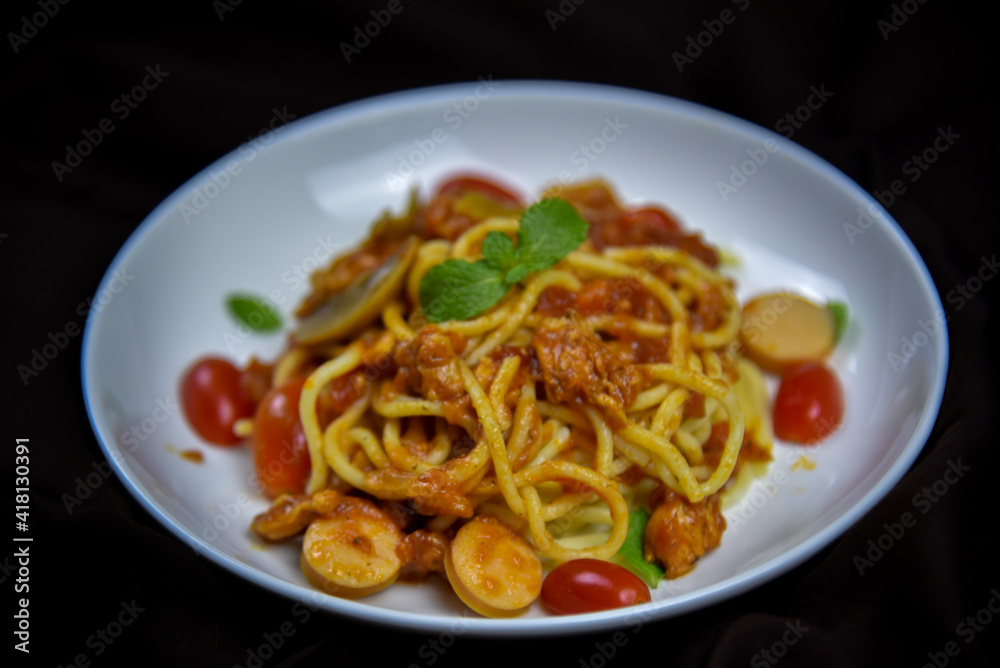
{"points": [[608, 382]]}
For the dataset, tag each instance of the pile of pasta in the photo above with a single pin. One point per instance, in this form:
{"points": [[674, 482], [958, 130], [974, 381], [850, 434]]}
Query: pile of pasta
{"points": [[609, 382]]}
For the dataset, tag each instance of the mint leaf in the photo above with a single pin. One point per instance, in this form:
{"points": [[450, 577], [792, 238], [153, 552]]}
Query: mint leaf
{"points": [[631, 553], [498, 250], [255, 313], [458, 290], [517, 274], [840, 317], [549, 230]]}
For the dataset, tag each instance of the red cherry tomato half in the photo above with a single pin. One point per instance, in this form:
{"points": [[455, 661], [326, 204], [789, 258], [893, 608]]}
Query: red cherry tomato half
{"points": [[495, 192], [280, 448], [809, 405], [591, 585], [213, 400]]}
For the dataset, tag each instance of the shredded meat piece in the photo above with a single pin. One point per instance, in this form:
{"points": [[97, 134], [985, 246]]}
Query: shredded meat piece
{"points": [[426, 367], [680, 533], [429, 493], [433, 494], [291, 514], [577, 366], [426, 364], [288, 516], [707, 315], [422, 553]]}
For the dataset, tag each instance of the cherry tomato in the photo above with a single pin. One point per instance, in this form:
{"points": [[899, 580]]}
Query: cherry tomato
{"points": [[280, 448], [214, 400], [650, 218], [656, 227], [466, 182], [809, 405], [591, 585]]}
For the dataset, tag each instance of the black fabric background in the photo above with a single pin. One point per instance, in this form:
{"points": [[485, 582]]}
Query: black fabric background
{"points": [[891, 94]]}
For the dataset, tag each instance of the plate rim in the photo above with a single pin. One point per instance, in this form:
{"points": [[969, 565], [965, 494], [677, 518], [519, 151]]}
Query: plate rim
{"points": [[555, 625]]}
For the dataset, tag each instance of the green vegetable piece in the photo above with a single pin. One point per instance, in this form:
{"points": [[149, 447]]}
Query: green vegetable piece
{"points": [[549, 231], [458, 290], [631, 553], [517, 274], [255, 313], [841, 317], [498, 251]]}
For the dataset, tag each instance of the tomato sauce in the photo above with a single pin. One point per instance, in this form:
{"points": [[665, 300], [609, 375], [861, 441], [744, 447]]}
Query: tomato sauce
{"points": [[337, 396], [651, 227], [603, 296], [614, 225], [750, 450]]}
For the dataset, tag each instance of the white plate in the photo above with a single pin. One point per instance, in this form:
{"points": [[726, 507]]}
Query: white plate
{"points": [[261, 218]]}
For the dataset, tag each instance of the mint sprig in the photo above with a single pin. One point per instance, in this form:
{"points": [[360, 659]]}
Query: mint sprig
{"points": [[459, 289]]}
